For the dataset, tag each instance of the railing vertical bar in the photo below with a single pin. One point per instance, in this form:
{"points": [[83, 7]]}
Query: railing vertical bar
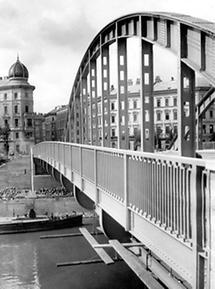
{"points": [[188, 205], [150, 188], [157, 193], [183, 202], [177, 199], [144, 188], [168, 195], [164, 194], [160, 192], [153, 190]]}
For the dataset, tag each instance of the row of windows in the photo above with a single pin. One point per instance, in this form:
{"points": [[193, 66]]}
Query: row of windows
{"points": [[16, 109], [210, 128], [167, 102], [131, 131], [113, 106], [15, 95], [167, 115], [16, 122]]}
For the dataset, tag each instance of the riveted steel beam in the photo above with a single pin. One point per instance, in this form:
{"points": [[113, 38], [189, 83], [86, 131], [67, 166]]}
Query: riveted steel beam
{"points": [[122, 93], [105, 98]]}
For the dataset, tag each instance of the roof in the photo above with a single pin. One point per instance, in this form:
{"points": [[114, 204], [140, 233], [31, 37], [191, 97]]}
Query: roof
{"points": [[164, 85], [57, 109], [18, 70]]}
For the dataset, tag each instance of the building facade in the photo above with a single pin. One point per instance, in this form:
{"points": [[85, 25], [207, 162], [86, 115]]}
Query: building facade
{"points": [[54, 123], [165, 115], [16, 109]]}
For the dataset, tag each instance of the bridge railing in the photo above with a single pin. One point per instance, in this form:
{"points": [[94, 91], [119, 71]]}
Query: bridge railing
{"points": [[169, 192]]}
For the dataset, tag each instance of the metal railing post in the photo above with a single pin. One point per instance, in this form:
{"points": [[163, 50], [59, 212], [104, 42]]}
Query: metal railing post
{"points": [[210, 165], [125, 176], [196, 227], [95, 176]]}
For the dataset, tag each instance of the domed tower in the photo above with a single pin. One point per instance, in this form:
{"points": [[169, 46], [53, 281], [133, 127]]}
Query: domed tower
{"points": [[16, 108], [18, 71]]}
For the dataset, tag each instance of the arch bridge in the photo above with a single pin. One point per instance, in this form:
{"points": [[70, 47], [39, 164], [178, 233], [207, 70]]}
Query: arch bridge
{"points": [[164, 201]]}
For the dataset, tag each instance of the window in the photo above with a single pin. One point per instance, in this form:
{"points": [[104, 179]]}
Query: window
{"points": [[5, 96], [158, 115], [29, 122], [16, 108], [175, 101], [15, 95], [112, 105], [211, 113], [5, 109], [158, 103], [175, 115], [166, 101], [135, 104], [113, 132], [26, 109], [204, 128], [167, 116], [16, 122], [113, 119], [211, 128], [5, 122], [17, 135], [175, 129], [135, 117], [167, 129], [26, 94]]}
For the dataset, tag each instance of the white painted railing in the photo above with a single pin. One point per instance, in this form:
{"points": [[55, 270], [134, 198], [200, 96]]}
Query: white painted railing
{"points": [[163, 200]]}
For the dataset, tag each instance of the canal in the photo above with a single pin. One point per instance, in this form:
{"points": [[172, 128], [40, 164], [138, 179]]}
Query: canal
{"points": [[28, 262]]}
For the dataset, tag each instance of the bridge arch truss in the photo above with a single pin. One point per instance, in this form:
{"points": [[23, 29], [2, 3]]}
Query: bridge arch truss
{"points": [[192, 40]]}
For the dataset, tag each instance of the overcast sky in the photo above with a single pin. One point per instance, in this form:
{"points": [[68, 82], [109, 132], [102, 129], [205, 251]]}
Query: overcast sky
{"points": [[51, 37]]}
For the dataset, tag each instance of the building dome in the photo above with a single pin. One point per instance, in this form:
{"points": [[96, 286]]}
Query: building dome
{"points": [[18, 70]]}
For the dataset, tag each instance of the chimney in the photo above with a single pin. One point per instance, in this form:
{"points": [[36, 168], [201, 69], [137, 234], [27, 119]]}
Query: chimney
{"points": [[138, 81]]}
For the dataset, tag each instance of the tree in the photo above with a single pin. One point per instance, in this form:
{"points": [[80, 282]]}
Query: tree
{"points": [[4, 134]]}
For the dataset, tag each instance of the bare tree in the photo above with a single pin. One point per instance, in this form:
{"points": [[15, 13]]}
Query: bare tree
{"points": [[4, 134]]}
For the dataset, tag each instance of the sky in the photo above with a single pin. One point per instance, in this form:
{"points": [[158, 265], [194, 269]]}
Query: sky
{"points": [[51, 37]]}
